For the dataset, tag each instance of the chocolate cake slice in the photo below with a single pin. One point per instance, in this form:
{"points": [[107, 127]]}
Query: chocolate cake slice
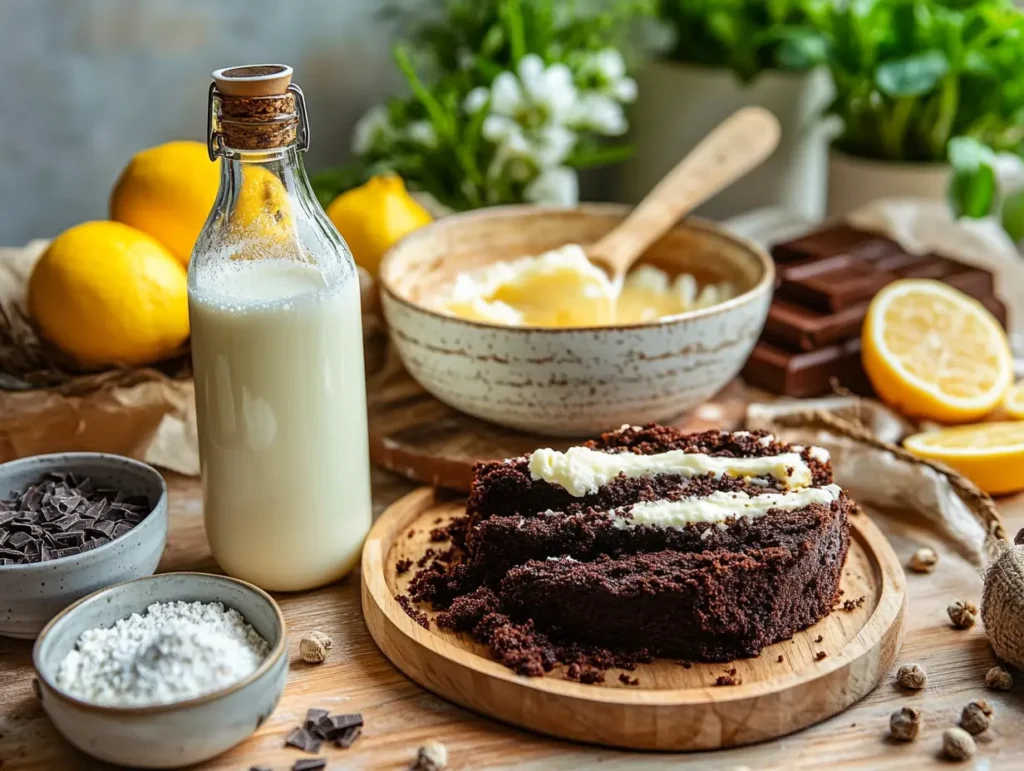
{"points": [[644, 542]]}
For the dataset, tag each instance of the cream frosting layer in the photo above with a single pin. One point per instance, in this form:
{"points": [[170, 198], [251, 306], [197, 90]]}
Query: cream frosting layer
{"points": [[583, 471], [719, 506]]}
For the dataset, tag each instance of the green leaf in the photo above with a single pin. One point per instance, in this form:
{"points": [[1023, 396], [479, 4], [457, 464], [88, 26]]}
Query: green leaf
{"points": [[912, 75], [972, 192], [599, 155], [1013, 215], [968, 154]]}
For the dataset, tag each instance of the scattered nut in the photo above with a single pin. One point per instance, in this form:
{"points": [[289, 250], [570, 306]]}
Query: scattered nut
{"points": [[911, 676], [976, 717], [963, 614], [433, 756], [924, 560], [998, 679], [313, 647], [904, 724], [957, 744]]}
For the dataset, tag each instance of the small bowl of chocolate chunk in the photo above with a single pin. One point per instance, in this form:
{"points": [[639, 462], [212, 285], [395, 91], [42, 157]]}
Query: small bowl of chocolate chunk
{"points": [[70, 524]]}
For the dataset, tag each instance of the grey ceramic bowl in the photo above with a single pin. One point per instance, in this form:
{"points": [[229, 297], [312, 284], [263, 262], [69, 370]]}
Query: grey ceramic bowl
{"points": [[165, 735], [30, 595]]}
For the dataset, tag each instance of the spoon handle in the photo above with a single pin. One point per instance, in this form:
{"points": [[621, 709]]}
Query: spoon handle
{"points": [[734, 147]]}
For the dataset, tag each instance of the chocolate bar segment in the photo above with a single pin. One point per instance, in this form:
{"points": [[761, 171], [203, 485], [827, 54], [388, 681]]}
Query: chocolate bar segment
{"points": [[806, 374], [839, 240]]}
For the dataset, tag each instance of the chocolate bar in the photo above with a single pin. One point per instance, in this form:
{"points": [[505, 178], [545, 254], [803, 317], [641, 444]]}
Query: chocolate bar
{"points": [[826, 280]]}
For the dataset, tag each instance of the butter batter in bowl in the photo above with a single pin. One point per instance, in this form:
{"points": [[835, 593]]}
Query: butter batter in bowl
{"points": [[532, 343], [562, 288]]}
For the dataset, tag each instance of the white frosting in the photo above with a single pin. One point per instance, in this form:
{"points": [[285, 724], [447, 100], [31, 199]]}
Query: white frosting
{"points": [[720, 506], [583, 471]]}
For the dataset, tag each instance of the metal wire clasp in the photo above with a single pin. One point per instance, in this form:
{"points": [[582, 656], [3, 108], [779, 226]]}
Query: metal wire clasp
{"points": [[215, 139]]}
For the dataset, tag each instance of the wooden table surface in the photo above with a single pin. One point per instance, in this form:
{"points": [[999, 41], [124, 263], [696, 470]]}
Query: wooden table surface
{"points": [[400, 715]]}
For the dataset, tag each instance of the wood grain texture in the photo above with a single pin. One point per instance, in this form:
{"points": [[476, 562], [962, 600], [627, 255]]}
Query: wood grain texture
{"points": [[420, 437], [784, 689], [400, 715]]}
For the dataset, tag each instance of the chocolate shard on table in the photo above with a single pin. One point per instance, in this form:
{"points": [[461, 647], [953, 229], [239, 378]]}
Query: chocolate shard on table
{"points": [[826, 280]]}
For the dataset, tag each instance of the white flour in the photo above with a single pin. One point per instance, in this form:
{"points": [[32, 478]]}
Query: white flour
{"points": [[175, 651]]}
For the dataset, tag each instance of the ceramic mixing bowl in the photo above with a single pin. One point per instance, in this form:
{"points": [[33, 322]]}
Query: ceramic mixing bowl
{"points": [[164, 735], [571, 382], [32, 594]]}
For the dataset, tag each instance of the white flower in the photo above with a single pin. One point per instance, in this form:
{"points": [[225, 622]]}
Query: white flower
{"points": [[497, 128], [372, 128], [553, 145], [610, 64], [625, 90], [556, 185], [476, 99], [422, 133], [600, 114], [533, 97]]}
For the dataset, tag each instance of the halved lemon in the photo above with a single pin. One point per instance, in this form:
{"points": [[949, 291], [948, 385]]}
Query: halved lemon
{"points": [[1013, 403], [932, 352], [989, 454]]}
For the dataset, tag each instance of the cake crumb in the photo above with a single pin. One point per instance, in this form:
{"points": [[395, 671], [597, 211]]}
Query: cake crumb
{"points": [[820, 655], [425, 558], [627, 680], [412, 612], [781, 658], [411, 534], [727, 680], [685, 664], [402, 566], [819, 638]]}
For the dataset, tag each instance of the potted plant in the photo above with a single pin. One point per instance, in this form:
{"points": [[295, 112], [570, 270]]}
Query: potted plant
{"points": [[987, 184], [517, 96], [909, 75], [723, 56]]}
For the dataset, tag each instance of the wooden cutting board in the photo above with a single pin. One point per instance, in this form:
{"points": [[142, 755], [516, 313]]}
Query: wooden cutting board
{"points": [[416, 435], [672, 708]]}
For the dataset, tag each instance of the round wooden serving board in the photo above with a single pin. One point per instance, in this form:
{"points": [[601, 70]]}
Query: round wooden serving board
{"points": [[673, 707], [420, 437]]}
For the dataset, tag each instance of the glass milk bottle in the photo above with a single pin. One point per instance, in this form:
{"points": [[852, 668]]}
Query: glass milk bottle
{"points": [[277, 350]]}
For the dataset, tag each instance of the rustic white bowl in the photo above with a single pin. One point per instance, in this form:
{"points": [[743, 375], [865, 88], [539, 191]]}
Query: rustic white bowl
{"points": [[30, 595], [571, 382], [165, 735]]}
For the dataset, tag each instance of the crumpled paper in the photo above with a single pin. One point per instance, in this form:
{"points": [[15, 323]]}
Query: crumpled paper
{"points": [[861, 435], [142, 413]]}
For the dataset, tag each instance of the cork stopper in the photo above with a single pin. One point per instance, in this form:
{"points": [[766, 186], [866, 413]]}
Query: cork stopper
{"points": [[256, 107], [253, 80]]}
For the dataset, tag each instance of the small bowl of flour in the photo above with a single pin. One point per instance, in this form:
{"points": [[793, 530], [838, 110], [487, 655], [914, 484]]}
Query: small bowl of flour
{"points": [[163, 671]]}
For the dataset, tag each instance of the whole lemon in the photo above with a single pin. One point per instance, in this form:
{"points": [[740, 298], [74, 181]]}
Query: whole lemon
{"points": [[262, 208], [375, 216], [106, 293], [168, 191]]}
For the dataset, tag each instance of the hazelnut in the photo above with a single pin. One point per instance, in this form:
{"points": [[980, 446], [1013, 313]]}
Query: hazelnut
{"points": [[924, 560], [976, 717], [957, 744], [998, 679], [432, 756], [904, 724], [963, 614], [911, 676], [313, 647]]}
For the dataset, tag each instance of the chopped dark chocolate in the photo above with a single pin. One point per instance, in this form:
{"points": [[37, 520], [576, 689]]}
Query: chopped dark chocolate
{"points": [[348, 738], [314, 716], [302, 739], [309, 764], [260, 768], [333, 726], [61, 515]]}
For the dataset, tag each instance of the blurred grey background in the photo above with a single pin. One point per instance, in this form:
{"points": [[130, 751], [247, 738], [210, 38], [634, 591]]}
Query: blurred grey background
{"points": [[87, 83]]}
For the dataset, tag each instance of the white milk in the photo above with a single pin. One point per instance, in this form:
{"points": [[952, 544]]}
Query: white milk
{"points": [[281, 407]]}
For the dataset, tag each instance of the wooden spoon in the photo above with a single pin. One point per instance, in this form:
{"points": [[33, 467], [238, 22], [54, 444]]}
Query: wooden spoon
{"points": [[735, 147]]}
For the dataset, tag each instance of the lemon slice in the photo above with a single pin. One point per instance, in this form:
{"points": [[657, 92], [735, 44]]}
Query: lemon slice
{"points": [[989, 454], [1013, 404], [933, 352]]}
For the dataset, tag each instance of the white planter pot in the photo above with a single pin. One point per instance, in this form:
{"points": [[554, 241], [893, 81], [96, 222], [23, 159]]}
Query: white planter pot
{"points": [[678, 104], [854, 182]]}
